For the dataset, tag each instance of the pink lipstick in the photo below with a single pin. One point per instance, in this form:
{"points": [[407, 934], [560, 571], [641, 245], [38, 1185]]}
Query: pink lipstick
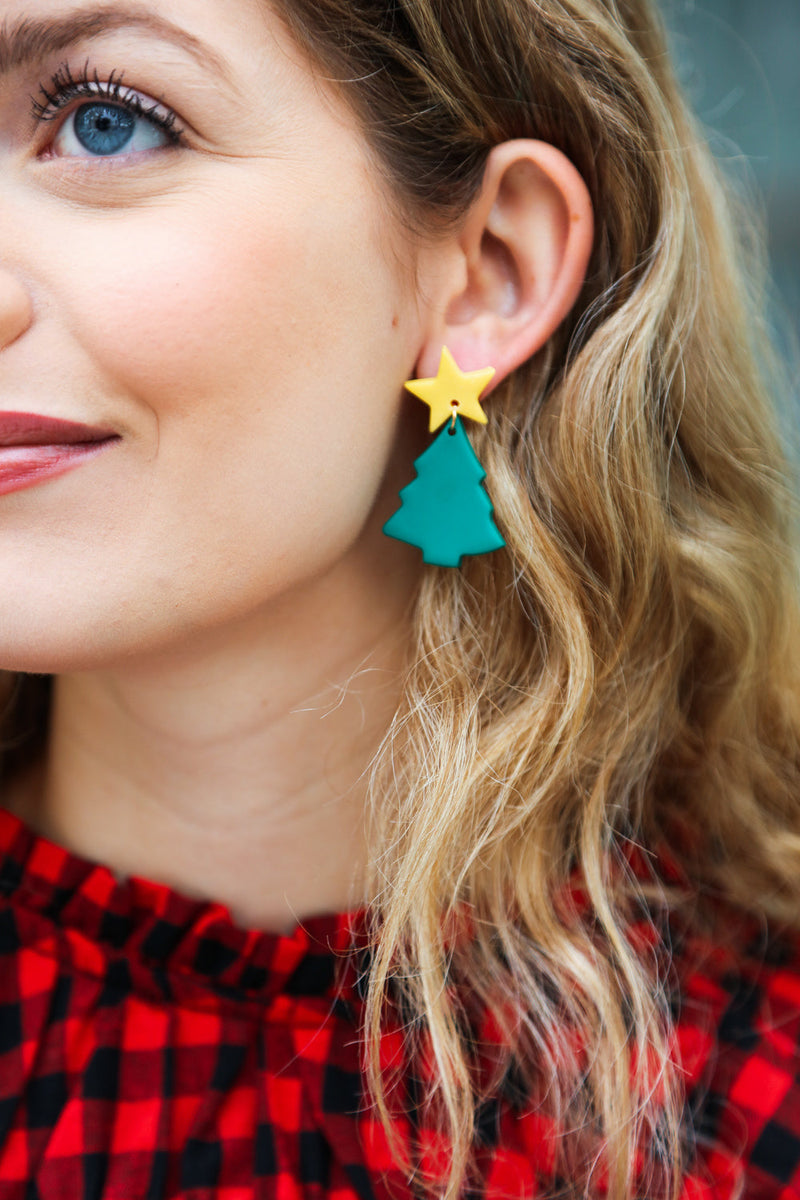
{"points": [[35, 448]]}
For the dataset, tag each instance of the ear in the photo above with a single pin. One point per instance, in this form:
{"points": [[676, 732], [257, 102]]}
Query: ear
{"points": [[513, 270]]}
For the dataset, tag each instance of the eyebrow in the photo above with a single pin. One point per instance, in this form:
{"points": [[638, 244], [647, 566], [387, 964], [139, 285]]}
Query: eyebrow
{"points": [[32, 40]]}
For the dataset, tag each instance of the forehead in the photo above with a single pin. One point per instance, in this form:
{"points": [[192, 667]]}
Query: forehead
{"points": [[32, 30]]}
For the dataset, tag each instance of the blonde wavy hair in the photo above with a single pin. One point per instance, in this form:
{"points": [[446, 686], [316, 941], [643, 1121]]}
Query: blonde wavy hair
{"points": [[625, 673]]}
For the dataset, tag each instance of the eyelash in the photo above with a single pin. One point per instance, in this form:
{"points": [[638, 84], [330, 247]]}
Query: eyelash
{"points": [[65, 87]]}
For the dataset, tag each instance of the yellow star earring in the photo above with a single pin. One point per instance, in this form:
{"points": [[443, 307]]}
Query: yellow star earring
{"points": [[445, 510], [452, 391]]}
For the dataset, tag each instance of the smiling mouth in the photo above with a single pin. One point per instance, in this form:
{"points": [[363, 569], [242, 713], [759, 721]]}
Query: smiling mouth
{"points": [[35, 448]]}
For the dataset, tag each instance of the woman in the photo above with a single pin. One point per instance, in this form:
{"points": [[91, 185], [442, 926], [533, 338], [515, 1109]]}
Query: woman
{"points": [[328, 872]]}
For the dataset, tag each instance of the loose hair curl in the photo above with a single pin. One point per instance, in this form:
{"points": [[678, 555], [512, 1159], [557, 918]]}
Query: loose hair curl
{"points": [[624, 673]]}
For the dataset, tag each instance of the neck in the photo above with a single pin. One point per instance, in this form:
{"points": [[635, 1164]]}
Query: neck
{"points": [[234, 769]]}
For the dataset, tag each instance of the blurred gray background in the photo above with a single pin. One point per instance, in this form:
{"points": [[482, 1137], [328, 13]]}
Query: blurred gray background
{"points": [[739, 61]]}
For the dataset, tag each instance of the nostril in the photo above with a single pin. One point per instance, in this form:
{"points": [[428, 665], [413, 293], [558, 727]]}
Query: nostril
{"points": [[16, 309]]}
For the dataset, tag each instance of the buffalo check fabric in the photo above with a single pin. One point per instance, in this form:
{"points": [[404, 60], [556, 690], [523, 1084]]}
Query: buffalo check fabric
{"points": [[151, 1049]]}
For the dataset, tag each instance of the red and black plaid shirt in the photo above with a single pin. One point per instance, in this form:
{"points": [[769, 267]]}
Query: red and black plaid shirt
{"points": [[150, 1049]]}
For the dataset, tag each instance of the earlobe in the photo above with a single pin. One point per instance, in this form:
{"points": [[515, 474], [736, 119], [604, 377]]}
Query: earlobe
{"points": [[525, 246]]}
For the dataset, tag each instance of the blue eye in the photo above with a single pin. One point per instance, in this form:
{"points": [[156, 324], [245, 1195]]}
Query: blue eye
{"points": [[102, 129], [113, 120]]}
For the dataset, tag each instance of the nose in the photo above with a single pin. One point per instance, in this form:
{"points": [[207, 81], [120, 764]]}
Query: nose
{"points": [[16, 309]]}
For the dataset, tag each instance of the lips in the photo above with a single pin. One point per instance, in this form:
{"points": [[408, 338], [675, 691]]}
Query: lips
{"points": [[34, 448], [28, 429]]}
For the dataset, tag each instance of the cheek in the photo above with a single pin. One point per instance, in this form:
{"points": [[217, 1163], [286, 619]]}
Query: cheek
{"points": [[200, 302], [256, 358]]}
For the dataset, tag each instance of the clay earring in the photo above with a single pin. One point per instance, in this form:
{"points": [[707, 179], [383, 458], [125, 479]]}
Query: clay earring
{"points": [[446, 510]]}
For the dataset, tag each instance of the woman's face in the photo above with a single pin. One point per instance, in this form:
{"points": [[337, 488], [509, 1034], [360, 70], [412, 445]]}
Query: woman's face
{"points": [[197, 261]]}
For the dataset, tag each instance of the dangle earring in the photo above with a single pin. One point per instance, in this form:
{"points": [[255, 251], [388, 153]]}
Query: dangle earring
{"points": [[446, 511]]}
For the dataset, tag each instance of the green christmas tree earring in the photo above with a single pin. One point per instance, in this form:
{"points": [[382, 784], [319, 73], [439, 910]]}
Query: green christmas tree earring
{"points": [[446, 510]]}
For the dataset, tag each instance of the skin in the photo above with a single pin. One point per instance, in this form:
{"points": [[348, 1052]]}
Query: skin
{"points": [[226, 622]]}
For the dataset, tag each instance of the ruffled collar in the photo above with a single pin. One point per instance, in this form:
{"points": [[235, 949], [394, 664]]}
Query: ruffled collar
{"points": [[82, 910]]}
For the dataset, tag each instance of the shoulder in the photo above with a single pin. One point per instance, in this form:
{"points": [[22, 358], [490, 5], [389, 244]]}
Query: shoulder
{"points": [[738, 1042]]}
